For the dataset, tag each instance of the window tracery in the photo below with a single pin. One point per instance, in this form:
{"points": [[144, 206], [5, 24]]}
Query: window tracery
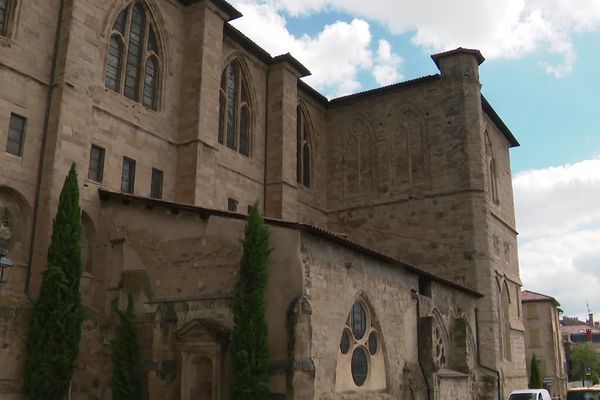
{"points": [[360, 350], [440, 347], [235, 112], [303, 148], [491, 167], [132, 62]]}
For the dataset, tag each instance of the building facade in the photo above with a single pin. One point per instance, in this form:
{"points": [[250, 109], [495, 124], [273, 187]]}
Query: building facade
{"points": [[544, 340], [394, 271]]}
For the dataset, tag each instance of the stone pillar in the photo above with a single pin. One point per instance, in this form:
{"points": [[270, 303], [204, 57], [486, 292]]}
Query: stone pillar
{"points": [[199, 114], [281, 185]]}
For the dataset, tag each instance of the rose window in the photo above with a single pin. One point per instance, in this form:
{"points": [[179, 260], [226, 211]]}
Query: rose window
{"points": [[360, 343]]}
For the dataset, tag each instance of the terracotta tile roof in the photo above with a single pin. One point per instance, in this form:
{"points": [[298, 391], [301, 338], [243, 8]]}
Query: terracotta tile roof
{"points": [[150, 203], [528, 295], [581, 328]]}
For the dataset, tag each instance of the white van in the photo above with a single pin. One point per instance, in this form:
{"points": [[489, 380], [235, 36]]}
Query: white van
{"points": [[530, 394]]}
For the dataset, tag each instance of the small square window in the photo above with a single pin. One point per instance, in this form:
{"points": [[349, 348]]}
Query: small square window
{"points": [[96, 170], [156, 185], [232, 204], [249, 209], [16, 135], [128, 175]]}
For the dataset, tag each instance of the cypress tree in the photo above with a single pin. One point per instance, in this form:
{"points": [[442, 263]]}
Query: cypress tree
{"points": [[55, 326], [535, 378], [249, 344], [127, 366]]}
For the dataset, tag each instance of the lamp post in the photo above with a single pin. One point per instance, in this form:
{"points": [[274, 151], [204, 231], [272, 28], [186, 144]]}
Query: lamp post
{"points": [[5, 264]]}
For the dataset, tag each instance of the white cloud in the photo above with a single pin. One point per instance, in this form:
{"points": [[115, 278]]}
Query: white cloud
{"points": [[335, 56], [558, 199], [558, 216], [507, 28], [385, 70]]}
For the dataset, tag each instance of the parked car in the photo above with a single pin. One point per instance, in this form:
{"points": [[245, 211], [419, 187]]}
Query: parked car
{"points": [[530, 394], [590, 393]]}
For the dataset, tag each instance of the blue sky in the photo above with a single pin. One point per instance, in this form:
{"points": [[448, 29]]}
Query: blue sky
{"points": [[540, 75]]}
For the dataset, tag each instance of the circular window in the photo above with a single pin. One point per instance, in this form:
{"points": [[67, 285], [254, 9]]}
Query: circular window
{"points": [[373, 343], [360, 366], [358, 321], [345, 342]]}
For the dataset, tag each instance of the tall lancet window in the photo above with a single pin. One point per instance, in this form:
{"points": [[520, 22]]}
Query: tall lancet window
{"points": [[303, 148], [4, 11], [235, 110], [132, 61]]}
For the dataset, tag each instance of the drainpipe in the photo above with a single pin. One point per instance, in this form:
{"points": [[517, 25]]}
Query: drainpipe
{"points": [[38, 184], [479, 355], [266, 142], [419, 344]]}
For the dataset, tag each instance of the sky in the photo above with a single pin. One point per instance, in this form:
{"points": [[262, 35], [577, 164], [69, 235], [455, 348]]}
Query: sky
{"points": [[540, 75]]}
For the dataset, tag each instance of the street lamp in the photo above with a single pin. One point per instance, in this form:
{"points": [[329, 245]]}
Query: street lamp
{"points": [[5, 263]]}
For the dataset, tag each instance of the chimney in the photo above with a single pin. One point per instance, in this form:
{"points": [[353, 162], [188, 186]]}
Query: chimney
{"points": [[591, 319]]}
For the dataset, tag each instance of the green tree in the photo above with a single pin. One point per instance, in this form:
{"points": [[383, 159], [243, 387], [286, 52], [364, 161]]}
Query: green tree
{"points": [[583, 355], [535, 378], [127, 366], [249, 344], [55, 326]]}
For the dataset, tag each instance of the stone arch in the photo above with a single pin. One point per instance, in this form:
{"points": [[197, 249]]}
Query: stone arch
{"points": [[247, 73], [441, 340], [156, 55], [413, 140], [237, 116], [15, 223], [305, 146], [88, 236], [504, 321], [491, 171], [357, 150], [361, 362], [152, 6]]}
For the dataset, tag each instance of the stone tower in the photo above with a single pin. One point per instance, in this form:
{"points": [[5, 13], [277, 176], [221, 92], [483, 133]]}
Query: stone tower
{"points": [[421, 171]]}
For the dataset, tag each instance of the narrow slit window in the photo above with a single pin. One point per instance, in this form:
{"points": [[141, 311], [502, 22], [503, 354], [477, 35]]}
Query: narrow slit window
{"points": [[113, 64], [16, 135], [96, 169], [4, 9], [128, 175], [303, 150], [156, 186], [150, 83], [232, 204]]}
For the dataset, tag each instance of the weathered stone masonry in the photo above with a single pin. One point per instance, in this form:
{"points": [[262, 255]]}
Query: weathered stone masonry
{"points": [[408, 214]]}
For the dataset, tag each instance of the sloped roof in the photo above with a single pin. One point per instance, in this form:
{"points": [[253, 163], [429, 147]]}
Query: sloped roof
{"points": [[106, 194], [528, 296], [581, 328]]}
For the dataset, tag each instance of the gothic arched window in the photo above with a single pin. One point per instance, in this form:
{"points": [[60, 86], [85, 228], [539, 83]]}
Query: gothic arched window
{"points": [[491, 167], [235, 111], [303, 148], [360, 352], [132, 62]]}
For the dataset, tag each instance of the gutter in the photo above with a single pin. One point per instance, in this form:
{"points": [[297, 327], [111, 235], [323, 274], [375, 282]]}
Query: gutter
{"points": [[479, 356], [38, 184], [419, 344]]}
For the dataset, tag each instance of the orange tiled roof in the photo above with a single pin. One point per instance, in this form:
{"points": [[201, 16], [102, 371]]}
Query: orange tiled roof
{"points": [[528, 295]]}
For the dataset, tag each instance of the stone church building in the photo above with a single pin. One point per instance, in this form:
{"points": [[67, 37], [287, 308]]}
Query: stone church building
{"points": [[394, 271]]}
